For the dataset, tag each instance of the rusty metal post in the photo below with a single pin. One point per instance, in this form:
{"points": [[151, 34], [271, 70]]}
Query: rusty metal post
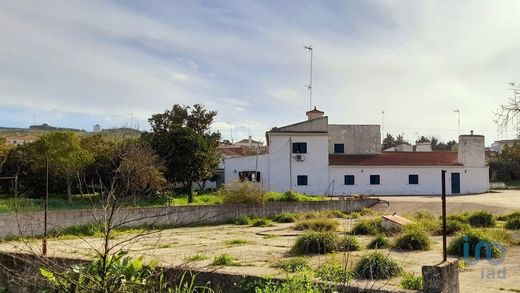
{"points": [[46, 207], [444, 250]]}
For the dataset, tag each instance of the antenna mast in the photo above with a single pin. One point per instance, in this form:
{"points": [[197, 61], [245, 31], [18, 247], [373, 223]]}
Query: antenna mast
{"points": [[309, 86]]}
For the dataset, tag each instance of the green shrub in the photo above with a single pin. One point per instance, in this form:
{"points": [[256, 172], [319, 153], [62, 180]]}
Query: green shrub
{"points": [[376, 265], [413, 238], [196, 257], [317, 225], [354, 215], [242, 192], [423, 214], [349, 243], [367, 227], [411, 282], [244, 220], [498, 234], [482, 219], [431, 226], [463, 218], [286, 196], [471, 238], [232, 242], [378, 242], [285, 218], [261, 223], [333, 214], [300, 282], [224, 259], [455, 226], [513, 223], [293, 264], [313, 242], [334, 272], [509, 216]]}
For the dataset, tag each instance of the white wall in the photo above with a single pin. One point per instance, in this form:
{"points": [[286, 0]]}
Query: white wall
{"points": [[282, 163], [233, 166], [394, 180]]}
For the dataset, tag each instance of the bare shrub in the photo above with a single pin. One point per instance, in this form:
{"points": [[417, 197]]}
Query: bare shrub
{"points": [[242, 192]]}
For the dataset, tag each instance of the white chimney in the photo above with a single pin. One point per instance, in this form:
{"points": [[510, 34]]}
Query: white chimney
{"points": [[315, 113], [471, 150]]}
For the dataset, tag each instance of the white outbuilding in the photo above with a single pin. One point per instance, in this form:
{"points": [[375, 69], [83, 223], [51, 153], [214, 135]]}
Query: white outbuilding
{"points": [[314, 157]]}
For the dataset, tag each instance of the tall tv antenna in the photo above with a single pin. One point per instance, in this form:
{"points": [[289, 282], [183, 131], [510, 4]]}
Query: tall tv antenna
{"points": [[309, 86], [458, 112]]}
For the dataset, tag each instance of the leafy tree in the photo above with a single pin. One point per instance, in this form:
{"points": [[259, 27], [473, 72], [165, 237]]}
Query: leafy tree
{"points": [[182, 138], [388, 141], [400, 140], [4, 150], [511, 153], [66, 156], [422, 139]]}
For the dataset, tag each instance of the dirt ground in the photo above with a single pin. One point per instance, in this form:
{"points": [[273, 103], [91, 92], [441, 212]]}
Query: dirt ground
{"points": [[264, 246]]}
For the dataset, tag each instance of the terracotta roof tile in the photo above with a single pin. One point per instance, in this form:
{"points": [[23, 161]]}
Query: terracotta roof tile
{"points": [[397, 159]]}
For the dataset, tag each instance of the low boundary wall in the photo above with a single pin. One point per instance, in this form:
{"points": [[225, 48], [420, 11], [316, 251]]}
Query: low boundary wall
{"points": [[31, 224]]}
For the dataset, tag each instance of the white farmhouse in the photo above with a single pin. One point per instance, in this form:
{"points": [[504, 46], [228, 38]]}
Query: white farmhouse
{"points": [[314, 157]]}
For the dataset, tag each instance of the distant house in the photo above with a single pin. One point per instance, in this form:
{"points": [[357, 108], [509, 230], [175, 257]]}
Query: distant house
{"points": [[404, 147], [499, 145], [314, 157], [248, 143]]}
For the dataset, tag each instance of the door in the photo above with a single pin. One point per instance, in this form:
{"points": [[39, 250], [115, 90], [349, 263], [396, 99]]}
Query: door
{"points": [[455, 183]]}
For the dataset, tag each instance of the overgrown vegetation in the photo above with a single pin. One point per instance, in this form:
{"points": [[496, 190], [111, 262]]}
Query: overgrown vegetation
{"points": [[469, 239], [322, 224], [313, 242], [367, 227], [224, 259], [334, 271], [293, 264], [285, 218], [413, 238], [378, 242], [482, 219], [411, 281], [375, 266], [246, 191], [349, 243]]}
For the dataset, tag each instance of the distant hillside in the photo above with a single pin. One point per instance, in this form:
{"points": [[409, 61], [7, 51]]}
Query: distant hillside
{"points": [[47, 127]]}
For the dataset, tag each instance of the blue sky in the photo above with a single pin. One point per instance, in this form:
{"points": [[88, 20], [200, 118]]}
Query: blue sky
{"points": [[78, 63]]}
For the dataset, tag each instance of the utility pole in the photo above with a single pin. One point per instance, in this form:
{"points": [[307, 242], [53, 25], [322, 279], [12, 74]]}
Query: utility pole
{"points": [[309, 86], [444, 246], [46, 207], [382, 124], [458, 112]]}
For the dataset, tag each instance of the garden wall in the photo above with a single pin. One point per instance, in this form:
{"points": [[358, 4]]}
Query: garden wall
{"points": [[31, 224]]}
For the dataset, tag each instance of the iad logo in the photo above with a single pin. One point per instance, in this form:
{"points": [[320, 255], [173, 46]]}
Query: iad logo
{"points": [[495, 254]]}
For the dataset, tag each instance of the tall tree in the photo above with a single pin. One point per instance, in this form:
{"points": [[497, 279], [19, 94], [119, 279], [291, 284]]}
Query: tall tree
{"points": [[422, 139], [388, 141], [183, 139], [66, 156], [508, 114]]}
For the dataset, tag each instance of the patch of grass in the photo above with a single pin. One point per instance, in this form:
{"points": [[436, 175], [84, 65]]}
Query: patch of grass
{"points": [[375, 266], [498, 234], [313, 242], [285, 218], [334, 214], [261, 223], [349, 243], [234, 242], [293, 264], [432, 226], [423, 214], [224, 259], [509, 216], [413, 238], [196, 257], [378, 242], [470, 239], [333, 271], [165, 245], [354, 215], [513, 223], [463, 217], [270, 236], [482, 219], [412, 282], [244, 220], [455, 226], [291, 196], [367, 227], [317, 225]]}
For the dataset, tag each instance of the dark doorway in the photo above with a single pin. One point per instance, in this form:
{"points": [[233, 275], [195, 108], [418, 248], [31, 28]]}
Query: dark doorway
{"points": [[455, 183]]}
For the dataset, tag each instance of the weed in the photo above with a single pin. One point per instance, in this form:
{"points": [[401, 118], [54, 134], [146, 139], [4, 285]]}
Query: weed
{"points": [[261, 223], [317, 225], [482, 219], [313, 242], [367, 227], [349, 243], [413, 238], [196, 257], [285, 218], [378, 242], [411, 281], [376, 265], [333, 271], [292, 265], [224, 259], [233, 242], [244, 220]]}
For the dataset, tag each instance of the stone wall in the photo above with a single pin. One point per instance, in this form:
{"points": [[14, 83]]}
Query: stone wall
{"points": [[31, 224]]}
